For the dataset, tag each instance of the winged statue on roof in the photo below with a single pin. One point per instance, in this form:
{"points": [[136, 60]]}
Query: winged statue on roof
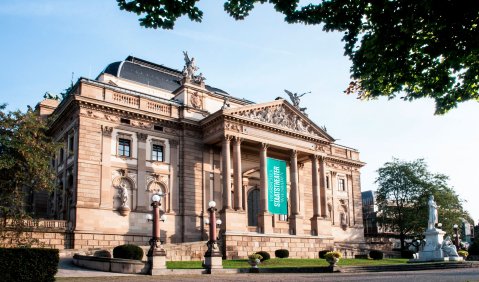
{"points": [[296, 98], [190, 68]]}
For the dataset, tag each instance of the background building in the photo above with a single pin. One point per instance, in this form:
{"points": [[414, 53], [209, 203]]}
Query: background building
{"points": [[140, 128]]}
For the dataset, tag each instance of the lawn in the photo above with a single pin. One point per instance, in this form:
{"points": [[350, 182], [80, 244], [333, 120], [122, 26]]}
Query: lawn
{"points": [[287, 262]]}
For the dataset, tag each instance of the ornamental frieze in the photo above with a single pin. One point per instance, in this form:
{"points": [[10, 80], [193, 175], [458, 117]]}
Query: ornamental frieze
{"points": [[281, 116]]}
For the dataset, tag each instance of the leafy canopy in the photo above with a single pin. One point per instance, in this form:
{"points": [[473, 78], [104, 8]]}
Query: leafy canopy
{"points": [[414, 49], [402, 196], [25, 155]]}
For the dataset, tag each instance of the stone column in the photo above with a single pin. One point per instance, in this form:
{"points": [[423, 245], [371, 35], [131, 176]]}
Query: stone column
{"points": [[174, 203], [238, 174], [265, 219], [334, 187], [142, 194], [226, 171], [315, 184], [296, 222], [322, 186], [106, 200]]}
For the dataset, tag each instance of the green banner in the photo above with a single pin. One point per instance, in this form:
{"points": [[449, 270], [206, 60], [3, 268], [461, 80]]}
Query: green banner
{"points": [[277, 198]]}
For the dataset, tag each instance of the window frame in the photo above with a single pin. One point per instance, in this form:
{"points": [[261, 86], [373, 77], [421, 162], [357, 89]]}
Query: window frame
{"points": [[120, 152]]}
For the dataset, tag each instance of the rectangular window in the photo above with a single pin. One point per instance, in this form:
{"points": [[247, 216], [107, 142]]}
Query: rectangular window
{"points": [[341, 185], [327, 182], [157, 153], [283, 217], [124, 146], [71, 144]]}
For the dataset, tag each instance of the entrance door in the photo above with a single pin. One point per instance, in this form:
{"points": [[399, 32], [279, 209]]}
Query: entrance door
{"points": [[253, 207]]}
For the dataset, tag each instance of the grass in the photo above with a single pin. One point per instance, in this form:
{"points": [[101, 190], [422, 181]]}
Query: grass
{"points": [[286, 262]]}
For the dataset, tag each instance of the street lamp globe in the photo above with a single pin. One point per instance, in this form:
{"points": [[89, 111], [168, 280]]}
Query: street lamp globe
{"points": [[156, 198], [212, 204], [218, 222], [455, 226], [163, 217], [207, 221], [149, 217]]}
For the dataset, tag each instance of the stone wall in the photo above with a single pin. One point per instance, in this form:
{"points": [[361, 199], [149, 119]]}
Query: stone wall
{"points": [[240, 246]]}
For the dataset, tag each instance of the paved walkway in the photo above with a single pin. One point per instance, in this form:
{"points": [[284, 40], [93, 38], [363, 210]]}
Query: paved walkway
{"points": [[66, 268]]}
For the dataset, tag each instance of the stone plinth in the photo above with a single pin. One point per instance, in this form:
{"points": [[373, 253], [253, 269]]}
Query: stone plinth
{"points": [[157, 262], [432, 251]]}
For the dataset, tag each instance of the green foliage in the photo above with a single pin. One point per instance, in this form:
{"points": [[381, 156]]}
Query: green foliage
{"points": [[128, 251], [376, 255], [25, 264], [102, 254], [281, 253], [322, 253], [463, 254], [334, 254], [25, 166], [255, 257], [402, 196], [416, 49], [264, 254]]}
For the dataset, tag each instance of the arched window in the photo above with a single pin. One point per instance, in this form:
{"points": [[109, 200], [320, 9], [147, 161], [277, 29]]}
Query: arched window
{"points": [[253, 207]]}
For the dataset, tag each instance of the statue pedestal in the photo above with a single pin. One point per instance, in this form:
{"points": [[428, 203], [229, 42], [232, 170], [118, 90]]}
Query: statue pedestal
{"points": [[432, 251]]}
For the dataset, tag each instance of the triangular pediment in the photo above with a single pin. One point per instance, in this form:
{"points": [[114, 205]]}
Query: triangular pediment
{"points": [[280, 114]]}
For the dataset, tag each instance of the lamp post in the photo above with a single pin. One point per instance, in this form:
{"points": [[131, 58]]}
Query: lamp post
{"points": [[456, 235], [156, 254], [213, 256]]}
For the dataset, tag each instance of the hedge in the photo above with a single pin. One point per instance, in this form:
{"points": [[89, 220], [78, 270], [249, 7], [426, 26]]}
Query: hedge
{"points": [[264, 254], [28, 264], [128, 251], [281, 253]]}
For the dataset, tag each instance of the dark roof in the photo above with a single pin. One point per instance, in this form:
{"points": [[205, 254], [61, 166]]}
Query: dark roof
{"points": [[149, 73]]}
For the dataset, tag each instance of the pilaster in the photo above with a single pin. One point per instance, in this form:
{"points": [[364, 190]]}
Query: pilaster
{"points": [[105, 195]]}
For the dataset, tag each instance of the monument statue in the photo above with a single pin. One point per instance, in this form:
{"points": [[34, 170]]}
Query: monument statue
{"points": [[448, 248], [296, 98], [432, 213]]}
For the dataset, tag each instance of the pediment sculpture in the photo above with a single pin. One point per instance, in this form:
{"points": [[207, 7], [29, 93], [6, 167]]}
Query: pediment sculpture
{"points": [[281, 116]]}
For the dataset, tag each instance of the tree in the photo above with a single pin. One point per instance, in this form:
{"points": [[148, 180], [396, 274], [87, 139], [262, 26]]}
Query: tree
{"points": [[415, 49], [25, 166], [402, 196]]}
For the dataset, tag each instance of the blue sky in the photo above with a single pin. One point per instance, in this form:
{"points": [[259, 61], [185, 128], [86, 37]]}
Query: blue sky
{"points": [[43, 42]]}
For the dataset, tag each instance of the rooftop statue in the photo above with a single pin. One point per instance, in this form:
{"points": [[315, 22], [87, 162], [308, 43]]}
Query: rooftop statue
{"points": [[190, 68], [296, 98]]}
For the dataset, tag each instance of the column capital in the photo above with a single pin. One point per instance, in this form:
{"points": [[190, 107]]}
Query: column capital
{"points": [[264, 146], [227, 138], [141, 136], [294, 153], [238, 140], [106, 130]]}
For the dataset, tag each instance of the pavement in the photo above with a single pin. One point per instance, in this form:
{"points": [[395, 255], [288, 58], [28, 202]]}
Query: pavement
{"points": [[66, 268]]}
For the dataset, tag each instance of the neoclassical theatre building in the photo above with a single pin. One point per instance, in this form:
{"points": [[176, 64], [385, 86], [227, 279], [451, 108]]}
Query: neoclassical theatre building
{"points": [[279, 180]]}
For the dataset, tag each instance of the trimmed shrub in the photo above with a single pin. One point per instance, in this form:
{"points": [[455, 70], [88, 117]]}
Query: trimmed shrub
{"points": [[375, 254], [128, 251], [264, 254], [281, 253], [102, 254], [407, 254], [28, 264], [322, 253]]}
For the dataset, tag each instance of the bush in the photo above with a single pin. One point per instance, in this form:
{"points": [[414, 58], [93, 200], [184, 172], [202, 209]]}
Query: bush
{"points": [[264, 254], [463, 254], [281, 253], [102, 254], [375, 254], [322, 253], [128, 251], [474, 248], [407, 254], [330, 255], [28, 264]]}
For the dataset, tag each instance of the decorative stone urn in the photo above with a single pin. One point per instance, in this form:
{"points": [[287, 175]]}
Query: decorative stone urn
{"points": [[333, 261], [254, 262]]}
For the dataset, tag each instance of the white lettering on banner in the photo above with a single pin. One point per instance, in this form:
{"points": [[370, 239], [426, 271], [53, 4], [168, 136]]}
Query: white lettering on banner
{"points": [[276, 186]]}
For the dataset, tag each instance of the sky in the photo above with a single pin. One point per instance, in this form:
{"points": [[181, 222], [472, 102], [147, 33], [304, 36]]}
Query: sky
{"points": [[44, 42]]}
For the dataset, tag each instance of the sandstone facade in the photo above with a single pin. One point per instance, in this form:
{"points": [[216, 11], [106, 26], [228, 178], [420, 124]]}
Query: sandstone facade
{"points": [[141, 128]]}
